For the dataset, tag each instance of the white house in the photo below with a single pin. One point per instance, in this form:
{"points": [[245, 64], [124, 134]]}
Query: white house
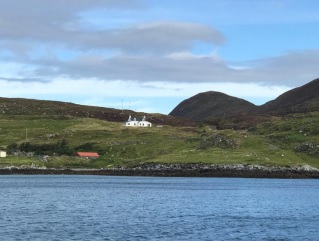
{"points": [[136, 123], [3, 154]]}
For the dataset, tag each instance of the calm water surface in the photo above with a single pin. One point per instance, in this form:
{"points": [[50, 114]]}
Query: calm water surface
{"points": [[145, 208]]}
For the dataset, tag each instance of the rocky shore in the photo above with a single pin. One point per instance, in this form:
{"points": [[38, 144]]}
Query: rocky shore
{"points": [[177, 170]]}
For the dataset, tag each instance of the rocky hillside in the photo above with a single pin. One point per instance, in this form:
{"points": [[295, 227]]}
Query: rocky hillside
{"points": [[57, 109], [208, 105], [211, 103]]}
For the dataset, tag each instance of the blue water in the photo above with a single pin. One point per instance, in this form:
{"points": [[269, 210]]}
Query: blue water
{"points": [[145, 208]]}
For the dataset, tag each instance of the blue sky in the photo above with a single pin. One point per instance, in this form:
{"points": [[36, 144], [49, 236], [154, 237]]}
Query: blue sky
{"points": [[150, 55]]}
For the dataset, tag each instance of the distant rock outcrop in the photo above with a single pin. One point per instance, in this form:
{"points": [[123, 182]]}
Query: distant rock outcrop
{"points": [[179, 170]]}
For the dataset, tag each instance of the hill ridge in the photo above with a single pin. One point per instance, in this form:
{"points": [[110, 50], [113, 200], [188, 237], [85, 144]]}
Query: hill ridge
{"points": [[213, 104], [60, 109]]}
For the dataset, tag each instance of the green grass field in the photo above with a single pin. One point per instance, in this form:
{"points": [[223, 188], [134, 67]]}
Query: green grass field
{"points": [[274, 143]]}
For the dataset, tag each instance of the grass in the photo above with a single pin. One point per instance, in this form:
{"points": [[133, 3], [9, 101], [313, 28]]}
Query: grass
{"points": [[20, 161], [270, 143]]}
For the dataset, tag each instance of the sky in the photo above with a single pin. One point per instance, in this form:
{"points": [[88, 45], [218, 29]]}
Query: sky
{"points": [[149, 55]]}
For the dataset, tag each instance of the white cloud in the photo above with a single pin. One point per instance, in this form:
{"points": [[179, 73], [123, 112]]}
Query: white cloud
{"points": [[44, 50], [124, 89], [49, 48], [292, 69]]}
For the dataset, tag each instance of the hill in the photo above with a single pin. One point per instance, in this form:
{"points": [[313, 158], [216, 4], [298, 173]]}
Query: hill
{"points": [[299, 100], [60, 110], [53, 131], [53, 142], [215, 105], [211, 104]]}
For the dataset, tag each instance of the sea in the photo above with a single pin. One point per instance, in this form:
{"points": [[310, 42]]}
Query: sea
{"points": [[81, 207]]}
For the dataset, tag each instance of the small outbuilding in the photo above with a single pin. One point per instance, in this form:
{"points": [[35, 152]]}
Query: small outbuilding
{"points": [[3, 154], [92, 155]]}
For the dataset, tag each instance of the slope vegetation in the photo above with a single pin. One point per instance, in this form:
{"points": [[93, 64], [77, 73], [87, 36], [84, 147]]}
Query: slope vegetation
{"points": [[53, 142], [283, 132]]}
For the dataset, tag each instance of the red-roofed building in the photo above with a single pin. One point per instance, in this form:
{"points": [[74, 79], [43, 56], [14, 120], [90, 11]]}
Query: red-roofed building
{"points": [[87, 154]]}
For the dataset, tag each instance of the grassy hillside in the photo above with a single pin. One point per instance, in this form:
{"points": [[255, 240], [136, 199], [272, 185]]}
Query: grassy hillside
{"points": [[61, 110], [288, 141]]}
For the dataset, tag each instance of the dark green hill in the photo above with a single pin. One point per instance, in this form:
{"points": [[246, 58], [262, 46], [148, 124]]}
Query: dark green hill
{"points": [[299, 100], [215, 105], [211, 104]]}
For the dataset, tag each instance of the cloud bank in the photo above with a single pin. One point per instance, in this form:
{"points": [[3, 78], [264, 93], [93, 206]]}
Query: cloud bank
{"points": [[55, 43]]}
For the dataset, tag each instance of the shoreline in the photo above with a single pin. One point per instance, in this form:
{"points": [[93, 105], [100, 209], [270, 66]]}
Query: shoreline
{"points": [[176, 170]]}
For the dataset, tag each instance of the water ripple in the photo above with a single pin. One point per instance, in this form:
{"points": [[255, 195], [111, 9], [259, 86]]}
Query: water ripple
{"points": [[137, 208]]}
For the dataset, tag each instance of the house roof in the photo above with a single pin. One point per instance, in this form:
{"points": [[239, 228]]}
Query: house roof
{"points": [[144, 121], [87, 154]]}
